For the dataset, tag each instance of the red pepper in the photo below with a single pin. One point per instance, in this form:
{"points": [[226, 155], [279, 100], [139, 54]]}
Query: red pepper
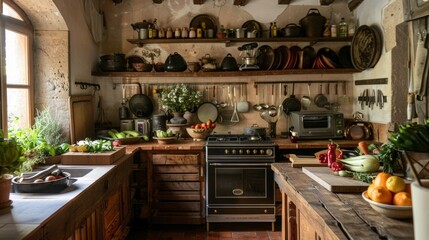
{"points": [[337, 166], [331, 153], [323, 158], [340, 156]]}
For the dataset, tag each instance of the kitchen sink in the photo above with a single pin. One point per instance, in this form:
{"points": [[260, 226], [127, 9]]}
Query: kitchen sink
{"points": [[76, 172]]}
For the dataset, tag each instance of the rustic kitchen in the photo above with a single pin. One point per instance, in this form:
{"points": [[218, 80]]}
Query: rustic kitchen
{"points": [[306, 117]]}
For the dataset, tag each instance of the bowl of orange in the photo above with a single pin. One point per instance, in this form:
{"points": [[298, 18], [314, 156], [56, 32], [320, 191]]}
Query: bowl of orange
{"points": [[390, 196], [389, 210]]}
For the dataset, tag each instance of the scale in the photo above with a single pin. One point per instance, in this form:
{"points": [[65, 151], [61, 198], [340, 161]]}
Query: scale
{"points": [[248, 55]]}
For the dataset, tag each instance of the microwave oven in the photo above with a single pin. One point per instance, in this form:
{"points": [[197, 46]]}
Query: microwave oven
{"points": [[317, 124]]}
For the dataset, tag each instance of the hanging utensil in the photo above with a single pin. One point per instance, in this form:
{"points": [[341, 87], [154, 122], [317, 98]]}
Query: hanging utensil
{"points": [[291, 103], [243, 104], [273, 109], [264, 105], [234, 118], [320, 99], [306, 100], [257, 106]]}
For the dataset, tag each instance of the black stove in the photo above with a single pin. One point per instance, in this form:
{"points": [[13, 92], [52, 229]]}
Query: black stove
{"points": [[240, 182]]}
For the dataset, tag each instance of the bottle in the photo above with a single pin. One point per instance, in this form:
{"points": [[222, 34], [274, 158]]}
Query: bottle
{"points": [[327, 31], [351, 28], [333, 31], [154, 28], [342, 28], [331, 154], [161, 33], [149, 31], [274, 30], [199, 31], [271, 30]]}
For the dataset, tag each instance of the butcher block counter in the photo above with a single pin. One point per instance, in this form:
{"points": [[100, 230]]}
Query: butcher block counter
{"points": [[283, 143], [309, 211]]}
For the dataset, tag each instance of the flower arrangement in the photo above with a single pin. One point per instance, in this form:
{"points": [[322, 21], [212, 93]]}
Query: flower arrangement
{"points": [[180, 98]]}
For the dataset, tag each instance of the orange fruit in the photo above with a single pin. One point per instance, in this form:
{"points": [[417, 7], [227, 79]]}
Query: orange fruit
{"points": [[395, 184], [370, 189], [381, 178], [402, 199], [381, 195]]}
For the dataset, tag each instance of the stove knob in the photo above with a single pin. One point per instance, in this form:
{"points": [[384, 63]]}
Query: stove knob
{"points": [[226, 151], [248, 151], [234, 151], [240, 151], [269, 152], [262, 151], [255, 151]]}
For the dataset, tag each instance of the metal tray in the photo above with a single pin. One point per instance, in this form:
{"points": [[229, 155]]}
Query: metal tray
{"points": [[55, 186]]}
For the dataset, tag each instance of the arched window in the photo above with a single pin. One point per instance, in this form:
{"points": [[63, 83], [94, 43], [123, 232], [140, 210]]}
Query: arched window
{"points": [[16, 78]]}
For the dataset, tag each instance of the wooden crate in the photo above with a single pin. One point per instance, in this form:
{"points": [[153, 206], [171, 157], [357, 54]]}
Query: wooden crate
{"points": [[84, 158]]}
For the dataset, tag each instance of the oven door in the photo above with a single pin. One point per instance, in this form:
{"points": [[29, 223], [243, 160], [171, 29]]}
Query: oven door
{"points": [[240, 183]]}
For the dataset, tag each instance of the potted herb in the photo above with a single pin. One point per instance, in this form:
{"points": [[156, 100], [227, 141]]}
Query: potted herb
{"points": [[408, 145], [10, 163], [179, 99]]}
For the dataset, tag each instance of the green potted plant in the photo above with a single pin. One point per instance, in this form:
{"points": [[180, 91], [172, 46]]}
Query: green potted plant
{"points": [[406, 149], [179, 99], [10, 163]]}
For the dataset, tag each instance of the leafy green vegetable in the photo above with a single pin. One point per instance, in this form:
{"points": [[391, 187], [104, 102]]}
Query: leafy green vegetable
{"points": [[364, 177]]}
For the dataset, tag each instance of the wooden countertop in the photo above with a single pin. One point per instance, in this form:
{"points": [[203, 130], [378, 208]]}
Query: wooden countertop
{"points": [[346, 215], [283, 143]]}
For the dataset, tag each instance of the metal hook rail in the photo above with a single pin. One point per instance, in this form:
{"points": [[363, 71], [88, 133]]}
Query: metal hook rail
{"points": [[85, 85], [301, 82]]}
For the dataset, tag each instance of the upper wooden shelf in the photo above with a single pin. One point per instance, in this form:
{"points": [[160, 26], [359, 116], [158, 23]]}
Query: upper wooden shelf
{"points": [[311, 40], [226, 74]]}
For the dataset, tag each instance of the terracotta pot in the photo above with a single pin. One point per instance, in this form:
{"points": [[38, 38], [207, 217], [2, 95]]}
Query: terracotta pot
{"points": [[5, 187]]}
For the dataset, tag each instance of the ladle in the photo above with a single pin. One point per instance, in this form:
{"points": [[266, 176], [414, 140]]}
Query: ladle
{"points": [[257, 106], [273, 109], [264, 105]]}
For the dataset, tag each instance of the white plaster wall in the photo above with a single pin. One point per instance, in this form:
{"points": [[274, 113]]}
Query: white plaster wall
{"points": [[371, 13]]}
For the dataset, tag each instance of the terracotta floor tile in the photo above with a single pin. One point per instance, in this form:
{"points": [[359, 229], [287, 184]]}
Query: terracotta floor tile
{"points": [[218, 231]]}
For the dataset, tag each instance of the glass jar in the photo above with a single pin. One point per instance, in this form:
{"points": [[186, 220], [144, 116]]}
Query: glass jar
{"points": [[333, 30], [343, 28]]}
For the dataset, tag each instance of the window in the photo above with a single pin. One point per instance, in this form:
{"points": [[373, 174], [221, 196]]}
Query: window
{"points": [[16, 82]]}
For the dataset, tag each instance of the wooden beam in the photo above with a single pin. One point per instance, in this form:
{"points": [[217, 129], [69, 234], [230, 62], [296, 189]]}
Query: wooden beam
{"points": [[157, 1], [326, 2], [284, 1], [240, 2], [199, 1], [353, 4]]}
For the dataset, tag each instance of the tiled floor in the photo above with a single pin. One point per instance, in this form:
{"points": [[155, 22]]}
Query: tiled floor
{"points": [[218, 231]]}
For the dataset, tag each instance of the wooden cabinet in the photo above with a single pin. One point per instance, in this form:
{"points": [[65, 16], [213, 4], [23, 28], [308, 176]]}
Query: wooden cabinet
{"points": [[176, 187], [101, 212]]}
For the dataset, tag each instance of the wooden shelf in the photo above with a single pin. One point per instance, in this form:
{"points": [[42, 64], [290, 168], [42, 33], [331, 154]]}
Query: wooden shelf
{"points": [[226, 74], [312, 40]]}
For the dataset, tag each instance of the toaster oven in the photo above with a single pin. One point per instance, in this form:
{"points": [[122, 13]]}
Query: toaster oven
{"points": [[317, 124]]}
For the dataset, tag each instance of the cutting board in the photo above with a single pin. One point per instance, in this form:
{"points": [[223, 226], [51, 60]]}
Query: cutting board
{"points": [[304, 162], [81, 117], [84, 158], [335, 184]]}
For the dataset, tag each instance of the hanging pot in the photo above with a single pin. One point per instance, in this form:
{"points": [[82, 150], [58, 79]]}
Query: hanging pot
{"points": [[313, 24], [175, 63], [141, 105], [229, 63]]}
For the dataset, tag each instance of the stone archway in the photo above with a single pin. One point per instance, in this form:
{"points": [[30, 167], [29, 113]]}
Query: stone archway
{"points": [[51, 66]]}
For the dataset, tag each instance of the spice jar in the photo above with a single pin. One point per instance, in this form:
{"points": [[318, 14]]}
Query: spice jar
{"points": [[169, 33], [192, 33], [161, 33], [333, 30], [184, 32], [177, 33]]}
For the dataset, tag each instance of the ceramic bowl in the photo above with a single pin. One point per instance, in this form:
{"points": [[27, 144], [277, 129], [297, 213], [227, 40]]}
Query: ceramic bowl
{"points": [[388, 210], [165, 140], [199, 134]]}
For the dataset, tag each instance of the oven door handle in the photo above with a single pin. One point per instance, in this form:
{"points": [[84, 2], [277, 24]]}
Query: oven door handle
{"points": [[240, 164]]}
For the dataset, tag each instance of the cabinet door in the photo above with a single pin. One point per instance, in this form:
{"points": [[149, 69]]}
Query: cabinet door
{"points": [[87, 230], [176, 188]]}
